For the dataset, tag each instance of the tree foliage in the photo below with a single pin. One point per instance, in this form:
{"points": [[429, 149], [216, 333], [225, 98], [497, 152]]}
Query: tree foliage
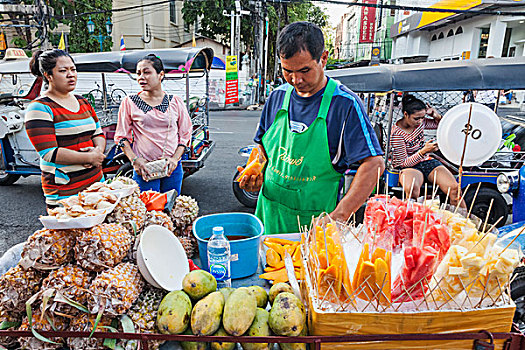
{"points": [[213, 24], [79, 38]]}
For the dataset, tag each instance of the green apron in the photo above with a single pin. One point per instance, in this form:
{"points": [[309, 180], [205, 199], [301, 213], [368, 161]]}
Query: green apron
{"points": [[300, 180]]}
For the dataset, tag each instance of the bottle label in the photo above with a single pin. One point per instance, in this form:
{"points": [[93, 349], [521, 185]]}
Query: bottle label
{"points": [[219, 271]]}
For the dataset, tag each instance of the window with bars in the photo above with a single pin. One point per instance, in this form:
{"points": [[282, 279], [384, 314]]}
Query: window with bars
{"points": [[173, 12]]}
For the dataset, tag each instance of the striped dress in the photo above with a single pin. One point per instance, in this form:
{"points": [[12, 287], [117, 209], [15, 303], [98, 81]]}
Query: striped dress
{"points": [[50, 126], [406, 146]]}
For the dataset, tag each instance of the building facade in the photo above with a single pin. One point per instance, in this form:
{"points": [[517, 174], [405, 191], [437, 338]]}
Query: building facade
{"points": [[432, 36], [150, 27], [348, 34]]}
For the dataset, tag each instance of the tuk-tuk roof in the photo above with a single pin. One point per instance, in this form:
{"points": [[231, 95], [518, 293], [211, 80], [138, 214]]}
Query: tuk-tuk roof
{"points": [[175, 60], [479, 74]]}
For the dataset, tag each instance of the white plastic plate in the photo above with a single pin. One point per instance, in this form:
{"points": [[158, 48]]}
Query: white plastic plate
{"points": [[483, 140], [161, 258], [52, 223]]}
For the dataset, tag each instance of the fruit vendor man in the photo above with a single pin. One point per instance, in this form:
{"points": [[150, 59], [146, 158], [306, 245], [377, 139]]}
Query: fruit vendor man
{"points": [[311, 129]]}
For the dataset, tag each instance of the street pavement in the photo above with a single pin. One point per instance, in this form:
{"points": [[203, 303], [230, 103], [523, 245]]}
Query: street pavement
{"points": [[211, 186]]}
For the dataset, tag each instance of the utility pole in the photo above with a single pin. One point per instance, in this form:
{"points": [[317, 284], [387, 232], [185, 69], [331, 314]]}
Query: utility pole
{"points": [[266, 52], [232, 29], [237, 29], [262, 78], [276, 63]]}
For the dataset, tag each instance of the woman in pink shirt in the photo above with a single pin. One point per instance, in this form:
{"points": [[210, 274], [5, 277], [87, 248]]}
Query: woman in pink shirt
{"points": [[153, 125]]}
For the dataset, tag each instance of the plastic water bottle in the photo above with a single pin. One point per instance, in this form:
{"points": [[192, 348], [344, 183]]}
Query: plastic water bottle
{"points": [[219, 257]]}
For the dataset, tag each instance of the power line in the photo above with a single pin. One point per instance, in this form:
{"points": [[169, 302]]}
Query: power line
{"points": [[112, 10], [417, 8]]}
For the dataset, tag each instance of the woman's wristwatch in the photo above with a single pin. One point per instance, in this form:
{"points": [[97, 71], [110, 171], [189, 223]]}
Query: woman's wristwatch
{"points": [[134, 160]]}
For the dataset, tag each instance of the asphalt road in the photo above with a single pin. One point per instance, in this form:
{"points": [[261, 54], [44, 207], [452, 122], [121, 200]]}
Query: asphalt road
{"points": [[23, 202]]}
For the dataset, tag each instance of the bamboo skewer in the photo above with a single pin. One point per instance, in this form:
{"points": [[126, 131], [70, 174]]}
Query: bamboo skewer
{"points": [[467, 133], [461, 199], [488, 214], [512, 241], [434, 189], [403, 185], [446, 199], [411, 189], [486, 234], [474, 200]]}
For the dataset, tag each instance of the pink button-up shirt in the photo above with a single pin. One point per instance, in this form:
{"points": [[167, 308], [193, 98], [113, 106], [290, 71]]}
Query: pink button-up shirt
{"points": [[148, 128]]}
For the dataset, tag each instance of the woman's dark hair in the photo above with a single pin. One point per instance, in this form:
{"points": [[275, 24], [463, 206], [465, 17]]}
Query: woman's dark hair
{"points": [[412, 104], [44, 62], [155, 62], [299, 36]]}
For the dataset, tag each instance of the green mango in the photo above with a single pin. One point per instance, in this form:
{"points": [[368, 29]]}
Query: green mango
{"points": [[199, 283], [173, 316], [279, 288], [260, 295], [286, 316], [220, 345], [259, 328], [206, 314], [239, 312], [296, 346], [226, 291], [192, 345]]}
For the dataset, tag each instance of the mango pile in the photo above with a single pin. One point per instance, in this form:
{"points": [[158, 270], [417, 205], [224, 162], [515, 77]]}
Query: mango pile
{"points": [[276, 271], [201, 309], [373, 275]]}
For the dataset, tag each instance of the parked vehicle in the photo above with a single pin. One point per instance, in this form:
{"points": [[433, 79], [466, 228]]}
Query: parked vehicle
{"points": [[19, 158], [445, 76]]}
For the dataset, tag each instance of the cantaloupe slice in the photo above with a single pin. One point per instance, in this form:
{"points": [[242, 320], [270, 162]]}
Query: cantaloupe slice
{"points": [[253, 154], [273, 258]]}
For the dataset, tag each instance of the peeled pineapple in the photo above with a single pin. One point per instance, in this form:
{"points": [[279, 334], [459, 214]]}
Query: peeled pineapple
{"points": [[157, 217], [116, 289], [17, 285], [184, 211], [40, 323], [48, 249], [72, 282], [86, 323], [144, 315], [102, 247], [130, 209], [9, 342], [189, 245]]}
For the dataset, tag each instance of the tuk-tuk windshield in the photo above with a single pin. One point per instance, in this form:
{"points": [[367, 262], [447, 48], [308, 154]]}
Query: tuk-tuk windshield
{"points": [[16, 85]]}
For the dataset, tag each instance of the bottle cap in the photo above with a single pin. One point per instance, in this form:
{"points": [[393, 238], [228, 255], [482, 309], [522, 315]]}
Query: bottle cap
{"points": [[218, 230]]}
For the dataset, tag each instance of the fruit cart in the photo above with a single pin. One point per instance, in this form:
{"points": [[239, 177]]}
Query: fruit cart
{"points": [[18, 157], [441, 84]]}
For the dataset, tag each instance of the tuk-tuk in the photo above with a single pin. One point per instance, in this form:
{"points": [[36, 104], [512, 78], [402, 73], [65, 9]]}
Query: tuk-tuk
{"points": [[19, 158], [442, 85]]}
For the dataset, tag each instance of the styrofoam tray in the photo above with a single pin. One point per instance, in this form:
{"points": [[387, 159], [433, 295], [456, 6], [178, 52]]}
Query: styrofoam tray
{"points": [[52, 223], [124, 192]]}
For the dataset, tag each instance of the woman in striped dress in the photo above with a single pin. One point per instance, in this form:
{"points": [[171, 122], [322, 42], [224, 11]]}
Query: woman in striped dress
{"points": [[413, 155], [64, 129]]}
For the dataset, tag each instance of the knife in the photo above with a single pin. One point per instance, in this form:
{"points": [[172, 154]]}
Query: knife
{"points": [[290, 270]]}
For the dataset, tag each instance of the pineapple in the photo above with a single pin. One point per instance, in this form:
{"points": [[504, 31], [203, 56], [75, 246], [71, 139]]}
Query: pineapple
{"points": [[116, 289], [129, 209], [72, 282], [144, 315], [7, 341], [17, 285], [184, 211], [104, 246], [48, 249], [157, 217], [40, 323], [85, 323], [188, 240]]}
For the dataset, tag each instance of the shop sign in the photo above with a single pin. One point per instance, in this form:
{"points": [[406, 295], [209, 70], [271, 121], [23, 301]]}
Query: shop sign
{"points": [[232, 81], [368, 22]]}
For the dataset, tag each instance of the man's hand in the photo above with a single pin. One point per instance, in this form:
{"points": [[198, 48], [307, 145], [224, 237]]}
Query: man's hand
{"points": [[250, 183]]}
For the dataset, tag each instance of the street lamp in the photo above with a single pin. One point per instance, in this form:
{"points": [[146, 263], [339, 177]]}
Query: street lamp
{"points": [[100, 37]]}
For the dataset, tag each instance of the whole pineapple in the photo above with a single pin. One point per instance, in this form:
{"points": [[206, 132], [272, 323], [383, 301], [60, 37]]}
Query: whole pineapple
{"points": [[184, 211], [48, 249], [144, 315], [40, 323], [188, 240], [72, 282], [103, 246], [129, 209], [7, 341], [17, 285], [115, 289], [86, 323], [157, 217]]}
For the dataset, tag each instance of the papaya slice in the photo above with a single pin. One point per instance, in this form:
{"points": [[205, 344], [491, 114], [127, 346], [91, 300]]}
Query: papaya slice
{"points": [[253, 154], [277, 247], [382, 277], [362, 258], [271, 268], [379, 253], [273, 258], [367, 281], [277, 275], [290, 248]]}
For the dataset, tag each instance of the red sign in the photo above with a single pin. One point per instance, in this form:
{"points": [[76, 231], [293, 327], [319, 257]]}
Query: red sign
{"points": [[368, 22], [232, 91]]}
